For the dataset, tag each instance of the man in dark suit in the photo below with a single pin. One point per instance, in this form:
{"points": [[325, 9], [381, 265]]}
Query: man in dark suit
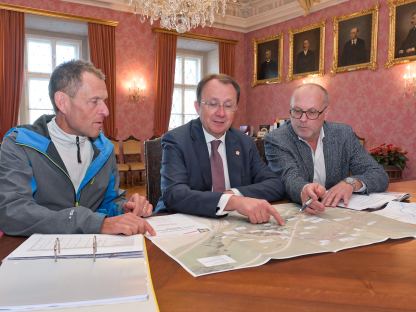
{"points": [[305, 60], [354, 51], [319, 159], [408, 46], [268, 69], [209, 169]]}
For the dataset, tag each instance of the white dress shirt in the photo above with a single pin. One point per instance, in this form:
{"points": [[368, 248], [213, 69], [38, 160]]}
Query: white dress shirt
{"points": [[223, 153], [319, 171]]}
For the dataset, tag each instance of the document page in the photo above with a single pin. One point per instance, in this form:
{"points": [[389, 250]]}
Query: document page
{"points": [[78, 245], [374, 200], [176, 224], [404, 212], [40, 284]]}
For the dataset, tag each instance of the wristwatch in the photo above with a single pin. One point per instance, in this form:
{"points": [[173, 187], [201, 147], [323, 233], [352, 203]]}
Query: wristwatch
{"points": [[351, 181]]}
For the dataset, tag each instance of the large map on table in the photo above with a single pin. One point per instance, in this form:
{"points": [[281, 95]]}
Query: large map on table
{"points": [[233, 243]]}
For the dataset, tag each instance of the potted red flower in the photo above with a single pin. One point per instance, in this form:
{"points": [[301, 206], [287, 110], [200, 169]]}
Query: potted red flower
{"points": [[392, 158]]}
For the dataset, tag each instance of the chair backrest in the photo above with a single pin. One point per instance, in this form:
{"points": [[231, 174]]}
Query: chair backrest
{"points": [[153, 163], [260, 147], [132, 150], [117, 151]]}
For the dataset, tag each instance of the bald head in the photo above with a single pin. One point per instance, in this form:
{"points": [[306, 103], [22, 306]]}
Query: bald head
{"points": [[310, 88], [308, 110]]}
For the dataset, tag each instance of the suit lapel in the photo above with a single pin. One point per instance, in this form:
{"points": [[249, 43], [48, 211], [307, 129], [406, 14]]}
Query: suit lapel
{"points": [[328, 144], [200, 149], [306, 155], [234, 159]]}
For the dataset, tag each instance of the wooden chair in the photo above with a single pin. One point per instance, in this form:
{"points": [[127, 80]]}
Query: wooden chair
{"points": [[153, 161], [123, 169], [132, 154], [260, 147]]}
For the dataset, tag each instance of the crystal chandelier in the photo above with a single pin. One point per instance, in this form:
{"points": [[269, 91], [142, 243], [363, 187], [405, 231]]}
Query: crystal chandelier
{"points": [[181, 15]]}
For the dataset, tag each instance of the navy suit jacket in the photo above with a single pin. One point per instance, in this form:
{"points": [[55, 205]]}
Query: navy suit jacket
{"points": [[186, 171]]}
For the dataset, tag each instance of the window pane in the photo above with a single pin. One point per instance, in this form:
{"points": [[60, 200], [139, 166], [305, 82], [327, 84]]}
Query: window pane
{"points": [[39, 56], [175, 121], [190, 98], [189, 117], [177, 101], [66, 52], [178, 70], [38, 94], [36, 113], [192, 71]]}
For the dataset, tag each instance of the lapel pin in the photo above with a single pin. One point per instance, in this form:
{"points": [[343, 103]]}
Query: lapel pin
{"points": [[237, 153]]}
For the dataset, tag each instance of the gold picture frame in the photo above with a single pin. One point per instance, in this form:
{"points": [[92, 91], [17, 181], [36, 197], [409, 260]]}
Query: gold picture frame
{"points": [[352, 33], [268, 60], [400, 15], [310, 63]]}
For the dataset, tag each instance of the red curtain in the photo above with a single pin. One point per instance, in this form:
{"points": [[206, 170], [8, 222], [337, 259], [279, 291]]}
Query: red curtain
{"points": [[12, 36], [227, 58], [102, 40], [165, 78]]}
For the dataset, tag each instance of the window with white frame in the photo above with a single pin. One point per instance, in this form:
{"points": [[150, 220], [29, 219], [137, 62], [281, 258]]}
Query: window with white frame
{"points": [[188, 72], [42, 55]]}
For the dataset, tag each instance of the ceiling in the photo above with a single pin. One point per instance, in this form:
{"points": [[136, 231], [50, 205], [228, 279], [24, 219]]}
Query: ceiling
{"points": [[245, 16]]}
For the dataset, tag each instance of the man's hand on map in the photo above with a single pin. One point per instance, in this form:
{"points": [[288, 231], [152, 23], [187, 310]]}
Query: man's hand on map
{"points": [[341, 191], [257, 210], [313, 191], [138, 205]]}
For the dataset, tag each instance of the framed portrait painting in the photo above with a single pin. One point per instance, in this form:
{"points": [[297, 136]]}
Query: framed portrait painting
{"points": [[355, 42], [402, 35], [268, 57], [306, 56]]}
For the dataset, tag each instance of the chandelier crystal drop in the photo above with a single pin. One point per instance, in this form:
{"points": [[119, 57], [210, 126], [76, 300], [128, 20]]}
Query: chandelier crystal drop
{"points": [[181, 15]]}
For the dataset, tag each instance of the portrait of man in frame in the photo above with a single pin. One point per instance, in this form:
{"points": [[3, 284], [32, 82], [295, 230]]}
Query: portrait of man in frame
{"points": [[306, 51], [355, 44], [267, 60], [402, 39]]}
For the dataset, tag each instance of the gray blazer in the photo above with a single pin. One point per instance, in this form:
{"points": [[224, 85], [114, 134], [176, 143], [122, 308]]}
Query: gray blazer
{"points": [[344, 156]]}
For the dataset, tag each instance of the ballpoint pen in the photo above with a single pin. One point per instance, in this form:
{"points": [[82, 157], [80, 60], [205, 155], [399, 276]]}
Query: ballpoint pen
{"points": [[306, 204]]}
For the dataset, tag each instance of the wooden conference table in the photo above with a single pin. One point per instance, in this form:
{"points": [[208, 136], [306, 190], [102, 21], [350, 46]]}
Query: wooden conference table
{"points": [[380, 277]]}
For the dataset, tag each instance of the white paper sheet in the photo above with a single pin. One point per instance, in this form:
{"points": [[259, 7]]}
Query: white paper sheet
{"points": [[42, 246], [374, 200], [404, 212], [176, 224], [40, 284]]}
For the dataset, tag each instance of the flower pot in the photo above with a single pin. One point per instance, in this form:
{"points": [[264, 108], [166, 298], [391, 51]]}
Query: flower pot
{"points": [[394, 173]]}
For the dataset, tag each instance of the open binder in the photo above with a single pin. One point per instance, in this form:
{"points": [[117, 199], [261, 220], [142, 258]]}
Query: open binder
{"points": [[38, 276]]}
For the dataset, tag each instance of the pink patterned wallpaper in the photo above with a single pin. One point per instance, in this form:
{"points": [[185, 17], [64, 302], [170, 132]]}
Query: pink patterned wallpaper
{"points": [[370, 101]]}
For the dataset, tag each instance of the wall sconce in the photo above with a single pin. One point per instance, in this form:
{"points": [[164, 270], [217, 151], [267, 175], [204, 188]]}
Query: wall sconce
{"points": [[136, 91], [409, 78]]}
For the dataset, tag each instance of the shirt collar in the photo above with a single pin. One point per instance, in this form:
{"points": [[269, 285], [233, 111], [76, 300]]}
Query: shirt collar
{"points": [[320, 138], [210, 137], [61, 136]]}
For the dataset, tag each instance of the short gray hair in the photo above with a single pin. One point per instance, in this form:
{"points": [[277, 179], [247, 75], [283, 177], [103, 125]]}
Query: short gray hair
{"points": [[67, 77]]}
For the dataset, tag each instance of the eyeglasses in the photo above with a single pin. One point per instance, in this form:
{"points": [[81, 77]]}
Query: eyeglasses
{"points": [[311, 114], [213, 105]]}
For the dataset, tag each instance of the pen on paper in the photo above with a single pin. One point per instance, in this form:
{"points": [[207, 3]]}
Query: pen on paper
{"points": [[306, 204]]}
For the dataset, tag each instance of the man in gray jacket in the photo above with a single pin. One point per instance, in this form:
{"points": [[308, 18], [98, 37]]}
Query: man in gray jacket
{"points": [[59, 175], [320, 160]]}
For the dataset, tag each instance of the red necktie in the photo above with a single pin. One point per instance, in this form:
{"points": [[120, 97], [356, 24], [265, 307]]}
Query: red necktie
{"points": [[217, 168]]}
